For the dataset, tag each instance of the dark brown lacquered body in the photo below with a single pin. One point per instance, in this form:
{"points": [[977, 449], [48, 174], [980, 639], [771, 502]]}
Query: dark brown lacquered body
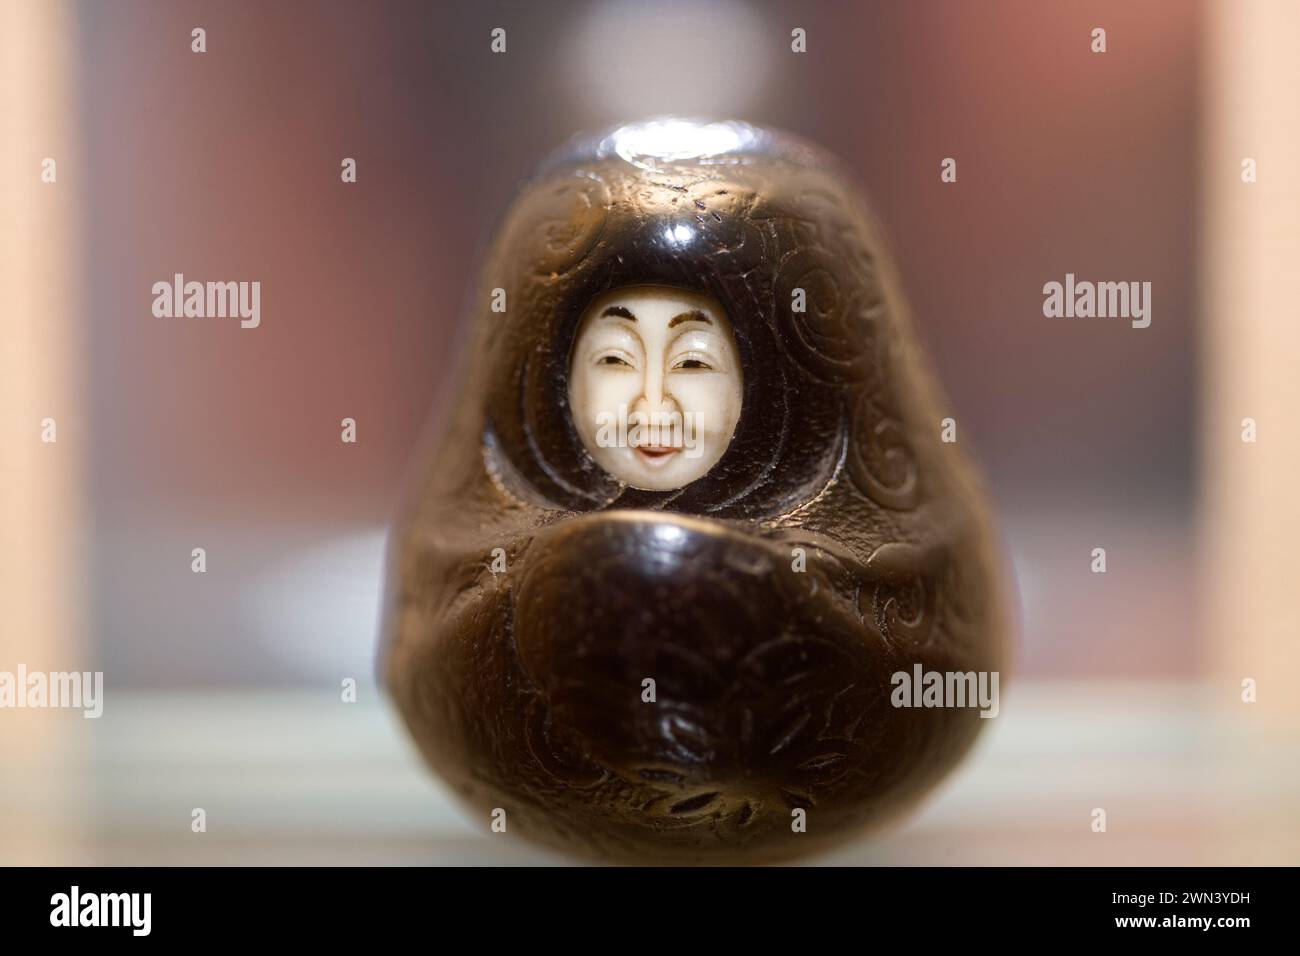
{"points": [[838, 541]]}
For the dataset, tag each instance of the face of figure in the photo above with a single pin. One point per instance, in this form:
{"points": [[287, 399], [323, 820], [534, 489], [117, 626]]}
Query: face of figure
{"points": [[655, 385]]}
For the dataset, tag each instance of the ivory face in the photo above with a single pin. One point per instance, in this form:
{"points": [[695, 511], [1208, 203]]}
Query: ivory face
{"points": [[655, 385]]}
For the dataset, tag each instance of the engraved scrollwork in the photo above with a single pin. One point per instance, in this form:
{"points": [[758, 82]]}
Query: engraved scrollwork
{"points": [[559, 753], [880, 459], [832, 338], [562, 220]]}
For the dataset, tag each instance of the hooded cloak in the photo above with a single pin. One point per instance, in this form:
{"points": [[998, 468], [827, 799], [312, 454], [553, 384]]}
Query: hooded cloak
{"points": [[769, 604]]}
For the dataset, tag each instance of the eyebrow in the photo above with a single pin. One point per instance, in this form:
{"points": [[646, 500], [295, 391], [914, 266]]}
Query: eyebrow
{"points": [[619, 311], [695, 315]]}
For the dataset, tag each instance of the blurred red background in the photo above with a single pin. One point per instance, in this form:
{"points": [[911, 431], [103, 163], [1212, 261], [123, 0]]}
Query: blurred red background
{"points": [[225, 166]]}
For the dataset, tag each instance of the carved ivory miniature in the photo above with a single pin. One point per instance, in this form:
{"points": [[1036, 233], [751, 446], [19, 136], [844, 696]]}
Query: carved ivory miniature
{"points": [[691, 517]]}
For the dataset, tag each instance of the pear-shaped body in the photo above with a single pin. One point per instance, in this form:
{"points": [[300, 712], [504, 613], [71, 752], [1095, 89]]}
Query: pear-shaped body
{"points": [[711, 672]]}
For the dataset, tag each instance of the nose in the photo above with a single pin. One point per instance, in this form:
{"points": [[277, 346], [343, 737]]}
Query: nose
{"points": [[654, 396]]}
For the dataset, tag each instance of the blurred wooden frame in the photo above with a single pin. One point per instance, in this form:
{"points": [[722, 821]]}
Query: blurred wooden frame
{"points": [[41, 375], [1250, 353]]}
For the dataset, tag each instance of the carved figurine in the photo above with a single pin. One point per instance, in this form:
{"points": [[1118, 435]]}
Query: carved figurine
{"points": [[692, 517]]}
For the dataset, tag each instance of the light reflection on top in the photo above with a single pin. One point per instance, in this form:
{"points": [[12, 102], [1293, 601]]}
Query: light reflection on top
{"points": [[648, 145]]}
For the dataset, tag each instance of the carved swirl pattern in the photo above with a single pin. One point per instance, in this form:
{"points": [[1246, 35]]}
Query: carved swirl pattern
{"points": [[936, 600], [832, 338], [568, 214], [880, 460], [903, 609], [844, 337]]}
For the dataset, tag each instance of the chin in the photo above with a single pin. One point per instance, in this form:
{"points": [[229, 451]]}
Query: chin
{"points": [[666, 480], [653, 474]]}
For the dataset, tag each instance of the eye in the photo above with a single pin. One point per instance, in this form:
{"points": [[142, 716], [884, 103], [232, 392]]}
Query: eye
{"points": [[616, 360], [693, 363]]}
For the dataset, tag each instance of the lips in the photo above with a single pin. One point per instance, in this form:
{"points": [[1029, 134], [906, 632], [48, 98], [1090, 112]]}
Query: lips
{"points": [[656, 454]]}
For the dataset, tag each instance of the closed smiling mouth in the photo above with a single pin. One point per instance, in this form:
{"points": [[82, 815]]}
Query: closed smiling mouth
{"points": [[656, 453]]}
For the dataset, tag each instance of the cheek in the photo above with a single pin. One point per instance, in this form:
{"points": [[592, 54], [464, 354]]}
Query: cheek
{"points": [[714, 398], [599, 390]]}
